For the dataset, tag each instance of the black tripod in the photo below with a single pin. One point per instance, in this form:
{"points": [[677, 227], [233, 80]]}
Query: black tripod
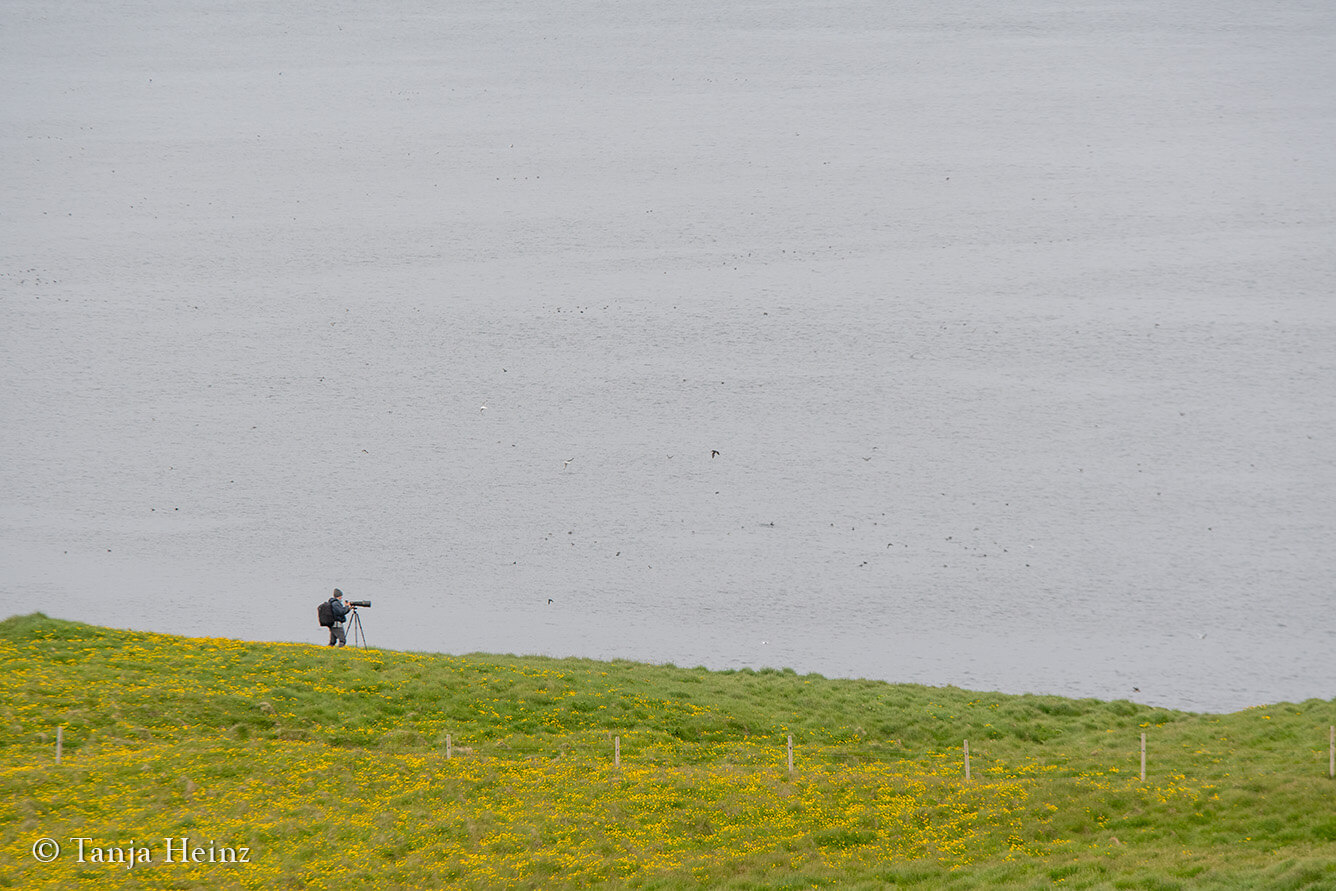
{"points": [[355, 624]]}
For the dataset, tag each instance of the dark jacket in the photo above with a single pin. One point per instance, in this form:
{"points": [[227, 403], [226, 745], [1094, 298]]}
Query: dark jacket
{"points": [[339, 609]]}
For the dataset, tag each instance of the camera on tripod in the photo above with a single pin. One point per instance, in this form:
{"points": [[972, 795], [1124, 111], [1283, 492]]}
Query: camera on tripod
{"points": [[355, 622]]}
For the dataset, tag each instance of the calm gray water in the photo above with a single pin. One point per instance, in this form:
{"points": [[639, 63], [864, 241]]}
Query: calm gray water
{"points": [[1013, 331]]}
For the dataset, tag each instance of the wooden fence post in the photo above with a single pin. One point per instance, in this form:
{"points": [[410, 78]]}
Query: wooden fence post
{"points": [[447, 745], [616, 751], [1143, 757], [967, 761], [790, 754], [1331, 755], [60, 739]]}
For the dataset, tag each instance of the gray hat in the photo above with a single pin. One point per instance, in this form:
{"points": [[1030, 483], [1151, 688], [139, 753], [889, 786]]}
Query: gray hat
{"points": [[338, 593]]}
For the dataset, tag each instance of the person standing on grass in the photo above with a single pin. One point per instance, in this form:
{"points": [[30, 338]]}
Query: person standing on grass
{"points": [[340, 611]]}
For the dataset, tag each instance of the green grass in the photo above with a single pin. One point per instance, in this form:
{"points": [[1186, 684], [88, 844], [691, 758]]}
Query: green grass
{"points": [[309, 756]]}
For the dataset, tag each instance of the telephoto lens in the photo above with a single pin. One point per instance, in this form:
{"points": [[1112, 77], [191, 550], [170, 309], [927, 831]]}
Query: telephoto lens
{"points": [[359, 602]]}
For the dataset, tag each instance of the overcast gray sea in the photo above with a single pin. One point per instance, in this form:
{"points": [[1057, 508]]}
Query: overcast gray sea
{"points": [[951, 343]]}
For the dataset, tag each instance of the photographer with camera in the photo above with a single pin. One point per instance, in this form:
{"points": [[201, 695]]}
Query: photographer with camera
{"points": [[333, 612]]}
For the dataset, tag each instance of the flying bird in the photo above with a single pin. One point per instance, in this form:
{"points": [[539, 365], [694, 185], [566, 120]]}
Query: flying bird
{"points": [[714, 453], [566, 463]]}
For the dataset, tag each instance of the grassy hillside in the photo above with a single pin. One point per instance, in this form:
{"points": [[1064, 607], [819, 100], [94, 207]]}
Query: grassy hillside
{"points": [[329, 769]]}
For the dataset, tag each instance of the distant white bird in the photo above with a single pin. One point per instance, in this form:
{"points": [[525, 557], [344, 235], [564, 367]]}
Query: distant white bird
{"points": [[482, 407], [566, 463]]}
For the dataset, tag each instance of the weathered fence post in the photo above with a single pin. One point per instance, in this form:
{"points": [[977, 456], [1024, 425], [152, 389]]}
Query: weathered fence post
{"points": [[616, 751], [447, 745], [967, 761], [60, 740], [1331, 755], [1143, 757], [790, 754]]}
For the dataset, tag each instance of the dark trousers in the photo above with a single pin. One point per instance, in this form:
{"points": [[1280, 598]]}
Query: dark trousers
{"points": [[336, 635]]}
